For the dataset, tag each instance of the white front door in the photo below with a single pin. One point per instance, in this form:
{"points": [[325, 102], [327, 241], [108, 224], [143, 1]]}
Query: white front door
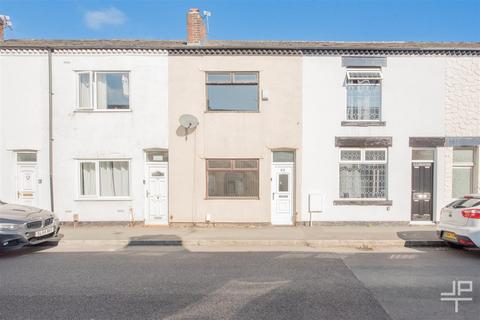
{"points": [[282, 194], [157, 194], [27, 193]]}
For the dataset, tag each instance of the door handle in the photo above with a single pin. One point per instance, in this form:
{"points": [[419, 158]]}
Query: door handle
{"points": [[18, 194], [273, 195], [147, 193]]}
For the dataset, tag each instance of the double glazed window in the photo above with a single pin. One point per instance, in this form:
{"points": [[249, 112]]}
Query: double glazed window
{"points": [[26, 157], [363, 173], [232, 91], [364, 94], [103, 90], [463, 172], [104, 178], [232, 178]]}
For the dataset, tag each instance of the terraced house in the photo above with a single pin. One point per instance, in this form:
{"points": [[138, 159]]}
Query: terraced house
{"points": [[280, 133]]}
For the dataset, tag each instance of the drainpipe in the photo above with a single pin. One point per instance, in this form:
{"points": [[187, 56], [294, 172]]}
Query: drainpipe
{"points": [[50, 125]]}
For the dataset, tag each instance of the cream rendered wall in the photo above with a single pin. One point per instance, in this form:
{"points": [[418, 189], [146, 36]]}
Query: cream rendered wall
{"points": [[23, 118], [413, 101], [230, 135], [122, 134]]}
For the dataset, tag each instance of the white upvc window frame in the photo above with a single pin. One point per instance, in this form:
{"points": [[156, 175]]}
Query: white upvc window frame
{"points": [[472, 165], [349, 73], [93, 90], [377, 71], [97, 195], [364, 161], [362, 157]]}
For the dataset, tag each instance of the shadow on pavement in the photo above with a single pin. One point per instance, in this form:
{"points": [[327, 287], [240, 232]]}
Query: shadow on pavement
{"points": [[156, 240], [421, 238]]}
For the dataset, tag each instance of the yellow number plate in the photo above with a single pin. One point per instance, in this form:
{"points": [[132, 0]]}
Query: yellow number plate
{"points": [[449, 236]]}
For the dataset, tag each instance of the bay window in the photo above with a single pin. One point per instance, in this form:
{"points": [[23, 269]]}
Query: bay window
{"points": [[363, 173]]}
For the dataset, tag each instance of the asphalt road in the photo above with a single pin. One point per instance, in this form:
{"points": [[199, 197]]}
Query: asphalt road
{"points": [[166, 283]]}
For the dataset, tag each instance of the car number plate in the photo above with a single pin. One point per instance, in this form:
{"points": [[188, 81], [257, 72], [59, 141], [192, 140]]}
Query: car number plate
{"points": [[449, 236], [44, 232]]}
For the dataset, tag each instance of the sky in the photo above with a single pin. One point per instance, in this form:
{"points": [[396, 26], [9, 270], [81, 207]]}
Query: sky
{"points": [[322, 20]]}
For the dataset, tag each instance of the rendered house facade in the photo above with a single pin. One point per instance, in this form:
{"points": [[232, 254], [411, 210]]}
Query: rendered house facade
{"points": [[288, 132], [24, 130]]}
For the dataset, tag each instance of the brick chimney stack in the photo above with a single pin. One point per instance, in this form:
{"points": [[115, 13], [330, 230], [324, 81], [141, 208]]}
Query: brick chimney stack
{"points": [[196, 32]]}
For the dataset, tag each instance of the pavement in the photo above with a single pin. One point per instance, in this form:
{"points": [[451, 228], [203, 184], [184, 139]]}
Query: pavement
{"points": [[348, 236], [169, 282]]}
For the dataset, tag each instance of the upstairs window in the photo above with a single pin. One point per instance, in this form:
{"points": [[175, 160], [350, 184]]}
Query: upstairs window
{"points": [[232, 91], [364, 94], [363, 173], [103, 90]]}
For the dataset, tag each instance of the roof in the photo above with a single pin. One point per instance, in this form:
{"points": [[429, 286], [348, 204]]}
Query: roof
{"points": [[236, 44], [239, 47]]}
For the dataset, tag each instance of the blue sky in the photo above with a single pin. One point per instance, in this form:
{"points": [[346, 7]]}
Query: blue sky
{"points": [[348, 20]]}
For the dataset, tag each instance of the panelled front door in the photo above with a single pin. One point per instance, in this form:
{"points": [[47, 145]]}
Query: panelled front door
{"points": [[157, 194], [27, 193], [422, 191], [282, 194]]}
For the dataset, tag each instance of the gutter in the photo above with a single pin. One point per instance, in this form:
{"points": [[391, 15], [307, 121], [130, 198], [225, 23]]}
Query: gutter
{"points": [[246, 47], [50, 128]]}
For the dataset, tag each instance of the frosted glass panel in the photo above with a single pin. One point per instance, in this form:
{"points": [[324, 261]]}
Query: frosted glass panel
{"points": [[283, 182], [462, 182], [283, 156], [423, 155], [462, 155]]}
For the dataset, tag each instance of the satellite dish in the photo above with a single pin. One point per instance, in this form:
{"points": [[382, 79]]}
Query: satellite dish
{"points": [[188, 121]]}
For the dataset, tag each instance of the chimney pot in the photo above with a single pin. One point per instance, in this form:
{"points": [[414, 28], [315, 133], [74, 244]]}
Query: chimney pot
{"points": [[196, 31]]}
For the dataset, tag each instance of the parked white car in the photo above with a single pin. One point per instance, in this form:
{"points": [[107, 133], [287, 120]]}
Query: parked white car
{"points": [[460, 222]]}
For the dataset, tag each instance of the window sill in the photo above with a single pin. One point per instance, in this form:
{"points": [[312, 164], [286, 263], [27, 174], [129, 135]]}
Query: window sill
{"points": [[101, 111], [229, 198], [349, 202], [231, 111], [351, 123], [105, 199]]}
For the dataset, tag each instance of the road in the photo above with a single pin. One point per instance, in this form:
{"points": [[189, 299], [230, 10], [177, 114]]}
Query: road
{"points": [[170, 283]]}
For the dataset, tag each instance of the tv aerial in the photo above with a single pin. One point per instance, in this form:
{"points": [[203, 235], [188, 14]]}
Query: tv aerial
{"points": [[6, 21], [188, 121]]}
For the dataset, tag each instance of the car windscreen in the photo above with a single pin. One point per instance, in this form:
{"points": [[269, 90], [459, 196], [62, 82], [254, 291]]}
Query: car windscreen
{"points": [[464, 203]]}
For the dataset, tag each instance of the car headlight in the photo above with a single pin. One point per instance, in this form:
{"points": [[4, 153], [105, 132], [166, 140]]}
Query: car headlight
{"points": [[8, 227]]}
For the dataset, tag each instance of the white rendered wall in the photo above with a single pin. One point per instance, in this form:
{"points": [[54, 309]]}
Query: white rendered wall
{"points": [[412, 106], [23, 119], [123, 134], [462, 111]]}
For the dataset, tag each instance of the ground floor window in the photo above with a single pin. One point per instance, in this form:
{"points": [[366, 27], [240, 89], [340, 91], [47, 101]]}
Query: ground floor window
{"points": [[232, 178], [104, 178], [463, 172], [363, 173]]}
